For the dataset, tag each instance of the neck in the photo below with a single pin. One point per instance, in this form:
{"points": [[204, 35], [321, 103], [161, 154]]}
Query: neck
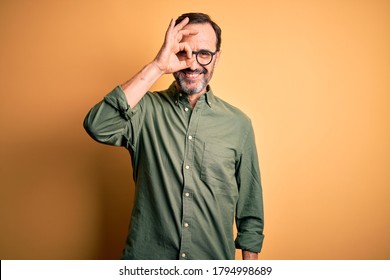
{"points": [[193, 98]]}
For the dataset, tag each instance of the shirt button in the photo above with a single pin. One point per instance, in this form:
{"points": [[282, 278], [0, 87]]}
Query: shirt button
{"points": [[187, 194], [186, 225], [183, 255], [187, 167], [186, 109], [190, 137]]}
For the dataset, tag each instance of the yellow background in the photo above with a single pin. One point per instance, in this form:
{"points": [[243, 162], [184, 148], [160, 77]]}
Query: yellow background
{"points": [[312, 75]]}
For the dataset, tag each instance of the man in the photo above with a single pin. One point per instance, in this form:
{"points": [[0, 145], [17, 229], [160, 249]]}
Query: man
{"points": [[193, 155]]}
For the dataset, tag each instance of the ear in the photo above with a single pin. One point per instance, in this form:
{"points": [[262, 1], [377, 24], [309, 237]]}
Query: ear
{"points": [[217, 56]]}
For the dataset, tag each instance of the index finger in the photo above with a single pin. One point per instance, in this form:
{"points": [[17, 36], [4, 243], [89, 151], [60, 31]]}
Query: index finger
{"points": [[185, 32], [181, 24]]}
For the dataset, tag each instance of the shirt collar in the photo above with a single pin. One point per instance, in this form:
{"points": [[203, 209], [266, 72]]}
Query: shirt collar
{"points": [[176, 95]]}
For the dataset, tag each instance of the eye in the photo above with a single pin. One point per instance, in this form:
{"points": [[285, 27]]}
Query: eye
{"points": [[181, 54], [204, 54]]}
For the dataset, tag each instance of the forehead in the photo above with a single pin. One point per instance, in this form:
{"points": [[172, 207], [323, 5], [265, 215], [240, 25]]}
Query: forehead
{"points": [[204, 39]]}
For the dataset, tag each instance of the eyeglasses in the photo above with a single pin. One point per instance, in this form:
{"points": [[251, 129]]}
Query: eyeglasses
{"points": [[203, 57]]}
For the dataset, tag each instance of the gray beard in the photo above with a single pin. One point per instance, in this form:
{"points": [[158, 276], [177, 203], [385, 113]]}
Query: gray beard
{"points": [[189, 90], [183, 82]]}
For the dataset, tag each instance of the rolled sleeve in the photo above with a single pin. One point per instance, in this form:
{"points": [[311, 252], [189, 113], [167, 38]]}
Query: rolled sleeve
{"points": [[117, 100], [110, 121]]}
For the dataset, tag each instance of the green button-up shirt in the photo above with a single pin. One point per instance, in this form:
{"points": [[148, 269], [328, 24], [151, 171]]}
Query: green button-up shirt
{"points": [[195, 171]]}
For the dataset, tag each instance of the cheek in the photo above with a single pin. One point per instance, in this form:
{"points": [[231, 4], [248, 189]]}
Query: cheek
{"points": [[216, 61], [210, 68]]}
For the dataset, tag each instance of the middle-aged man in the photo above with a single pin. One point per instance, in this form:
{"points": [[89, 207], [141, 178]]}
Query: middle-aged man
{"points": [[194, 157]]}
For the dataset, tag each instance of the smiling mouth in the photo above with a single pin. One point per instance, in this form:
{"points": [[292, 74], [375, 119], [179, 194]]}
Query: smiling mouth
{"points": [[192, 75]]}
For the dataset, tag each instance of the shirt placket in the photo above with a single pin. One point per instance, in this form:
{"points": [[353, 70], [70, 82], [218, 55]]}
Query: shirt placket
{"points": [[193, 116]]}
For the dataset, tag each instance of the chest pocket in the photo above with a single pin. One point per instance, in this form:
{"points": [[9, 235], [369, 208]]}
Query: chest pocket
{"points": [[218, 169]]}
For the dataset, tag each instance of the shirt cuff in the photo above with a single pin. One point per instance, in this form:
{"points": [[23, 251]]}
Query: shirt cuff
{"points": [[117, 99], [249, 242]]}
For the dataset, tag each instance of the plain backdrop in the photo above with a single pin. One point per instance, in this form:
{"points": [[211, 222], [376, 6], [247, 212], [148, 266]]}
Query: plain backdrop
{"points": [[313, 75]]}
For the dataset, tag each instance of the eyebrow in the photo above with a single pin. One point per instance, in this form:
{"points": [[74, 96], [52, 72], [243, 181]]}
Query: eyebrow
{"points": [[205, 50], [200, 51]]}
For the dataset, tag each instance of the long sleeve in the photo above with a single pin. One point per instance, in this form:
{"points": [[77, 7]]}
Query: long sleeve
{"points": [[249, 212], [111, 120]]}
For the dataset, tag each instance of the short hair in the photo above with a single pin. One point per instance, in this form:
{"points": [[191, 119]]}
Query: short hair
{"points": [[203, 18]]}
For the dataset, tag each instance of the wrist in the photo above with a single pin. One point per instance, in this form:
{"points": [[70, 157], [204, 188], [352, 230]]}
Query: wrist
{"points": [[247, 255], [158, 67]]}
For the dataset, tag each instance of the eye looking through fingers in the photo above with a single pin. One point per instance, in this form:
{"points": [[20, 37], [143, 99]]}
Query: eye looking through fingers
{"points": [[182, 55]]}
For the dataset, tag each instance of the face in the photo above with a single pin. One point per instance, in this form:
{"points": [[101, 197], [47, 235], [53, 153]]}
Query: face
{"points": [[195, 79]]}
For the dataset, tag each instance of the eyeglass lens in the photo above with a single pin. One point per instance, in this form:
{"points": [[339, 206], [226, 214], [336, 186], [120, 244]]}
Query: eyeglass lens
{"points": [[204, 57]]}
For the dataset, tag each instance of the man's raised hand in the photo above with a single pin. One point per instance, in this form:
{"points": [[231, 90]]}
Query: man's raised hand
{"points": [[166, 59]]}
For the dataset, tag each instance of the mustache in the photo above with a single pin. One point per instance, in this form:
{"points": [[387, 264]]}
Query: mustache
{"points": [[197, 71]]}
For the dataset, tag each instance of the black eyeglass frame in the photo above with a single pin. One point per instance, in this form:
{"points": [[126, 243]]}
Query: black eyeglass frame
{"points": [[196, 53]]}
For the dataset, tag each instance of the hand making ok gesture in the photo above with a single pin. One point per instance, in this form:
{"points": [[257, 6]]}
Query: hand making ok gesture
{"points": [[166, 59]]}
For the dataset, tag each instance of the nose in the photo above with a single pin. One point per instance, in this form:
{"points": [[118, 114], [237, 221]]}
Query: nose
{"points": [[194, 65]]}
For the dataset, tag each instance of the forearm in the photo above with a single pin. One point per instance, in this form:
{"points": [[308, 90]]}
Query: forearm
{"points": [[247, 255], [137, 86]]}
